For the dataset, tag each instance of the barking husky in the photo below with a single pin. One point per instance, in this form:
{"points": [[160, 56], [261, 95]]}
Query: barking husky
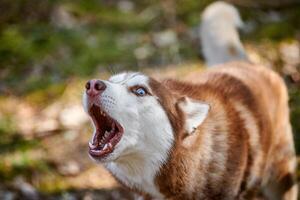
{"points": [[225, 134]]}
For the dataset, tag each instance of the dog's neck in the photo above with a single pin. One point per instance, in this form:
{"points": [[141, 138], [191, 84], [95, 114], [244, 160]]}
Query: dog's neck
{"points": [[138, 170]]}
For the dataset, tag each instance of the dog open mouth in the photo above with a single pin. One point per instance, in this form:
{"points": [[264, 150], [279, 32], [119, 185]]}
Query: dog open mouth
{"points": [[108, 133]]}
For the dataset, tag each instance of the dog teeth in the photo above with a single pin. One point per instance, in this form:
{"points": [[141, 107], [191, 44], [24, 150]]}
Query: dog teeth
{"points": [[102, 113], [102, 141], [92, 146], [106, 134], [105, 147], [113, 128]]}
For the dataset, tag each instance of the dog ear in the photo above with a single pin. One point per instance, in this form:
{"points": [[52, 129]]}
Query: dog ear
{"points": [[195, 113]]}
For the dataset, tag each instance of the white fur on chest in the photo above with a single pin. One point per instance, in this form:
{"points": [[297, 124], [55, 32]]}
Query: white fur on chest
{"points": [[137, 176]]}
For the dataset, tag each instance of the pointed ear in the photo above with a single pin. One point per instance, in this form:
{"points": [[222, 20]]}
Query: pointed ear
{"points": [[195, 113]]}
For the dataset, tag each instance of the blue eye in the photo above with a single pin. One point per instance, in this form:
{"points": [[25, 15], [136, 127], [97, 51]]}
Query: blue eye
{"points": [[140, 91]]}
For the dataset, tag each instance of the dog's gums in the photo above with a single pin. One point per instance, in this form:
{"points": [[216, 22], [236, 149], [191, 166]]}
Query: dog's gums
{"points": [[108, 133]]}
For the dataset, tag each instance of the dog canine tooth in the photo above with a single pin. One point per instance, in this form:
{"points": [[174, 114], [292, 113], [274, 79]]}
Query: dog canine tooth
{"points": [[92, 146], [105, 147]]}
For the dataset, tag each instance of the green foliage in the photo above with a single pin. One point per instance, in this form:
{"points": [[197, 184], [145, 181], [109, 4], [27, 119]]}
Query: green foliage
{"points": [[277, 31], [6, 126], [12, 144], [10, 139], [189, 10], [285, 26], [23, 164], [294, 94], [35, 53]]}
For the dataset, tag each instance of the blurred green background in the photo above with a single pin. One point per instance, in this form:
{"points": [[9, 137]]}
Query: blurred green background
{"points": [[49, 48]]}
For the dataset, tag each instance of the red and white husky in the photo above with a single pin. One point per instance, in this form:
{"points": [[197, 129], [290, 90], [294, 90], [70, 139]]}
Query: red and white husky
{"points": [[225, 134]]}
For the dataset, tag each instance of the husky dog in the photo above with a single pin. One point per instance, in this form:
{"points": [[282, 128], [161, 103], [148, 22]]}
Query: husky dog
{"points": [[224, 134], [219, 36]]}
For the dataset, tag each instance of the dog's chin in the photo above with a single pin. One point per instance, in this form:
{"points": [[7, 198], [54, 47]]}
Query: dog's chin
{"points": [[120, 153], [102, 160]]}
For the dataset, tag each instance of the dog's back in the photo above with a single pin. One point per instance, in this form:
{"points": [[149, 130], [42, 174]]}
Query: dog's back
{"points": [[268, 92], [244, 147]]}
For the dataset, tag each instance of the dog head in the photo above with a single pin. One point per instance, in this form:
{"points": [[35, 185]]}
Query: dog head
{"points": [[135, 114]]}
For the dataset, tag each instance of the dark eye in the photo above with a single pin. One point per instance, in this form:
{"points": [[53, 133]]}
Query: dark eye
{"points": [[140, 91]]}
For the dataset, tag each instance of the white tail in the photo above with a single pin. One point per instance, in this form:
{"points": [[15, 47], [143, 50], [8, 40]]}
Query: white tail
{"points": [[219, 35]]}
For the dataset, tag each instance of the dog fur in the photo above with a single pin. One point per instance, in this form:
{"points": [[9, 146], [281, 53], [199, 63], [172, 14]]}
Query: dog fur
{"points": [[225, 136]]}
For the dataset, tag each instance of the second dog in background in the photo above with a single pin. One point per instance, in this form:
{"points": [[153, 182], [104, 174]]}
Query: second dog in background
{"points": [[219, 34]]}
